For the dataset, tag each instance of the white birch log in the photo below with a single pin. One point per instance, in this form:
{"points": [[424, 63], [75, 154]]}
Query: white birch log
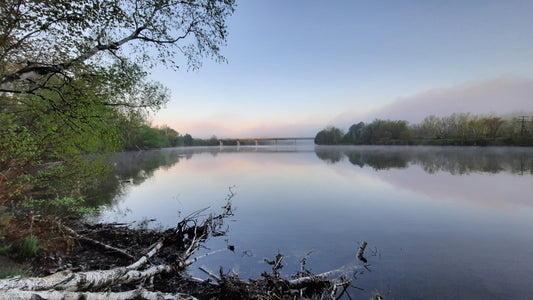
{"points": [[80, 281], [17, 294], [72, 285], [70, 281], [342, 270]]}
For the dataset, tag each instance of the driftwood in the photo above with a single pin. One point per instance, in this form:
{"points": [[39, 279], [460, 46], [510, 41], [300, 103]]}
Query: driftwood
{"points": [[361, 252], [308, 286], [17, 294], [103, 245], [168, 258], [185, 239]]}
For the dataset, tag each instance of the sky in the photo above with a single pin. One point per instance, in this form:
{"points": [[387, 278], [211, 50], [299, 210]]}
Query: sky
{"points": [[295, 67]]}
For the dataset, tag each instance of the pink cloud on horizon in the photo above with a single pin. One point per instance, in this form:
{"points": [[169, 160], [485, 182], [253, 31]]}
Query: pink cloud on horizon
{"points": [[206, 129], [501, 96]]}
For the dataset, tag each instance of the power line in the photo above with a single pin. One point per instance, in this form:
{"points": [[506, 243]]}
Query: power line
{"points": [[523, 128]]}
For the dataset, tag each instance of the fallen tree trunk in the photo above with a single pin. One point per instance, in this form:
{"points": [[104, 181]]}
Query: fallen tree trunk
{"points": [[181, 242], [81, 281], [17, 294], [158, 273]]}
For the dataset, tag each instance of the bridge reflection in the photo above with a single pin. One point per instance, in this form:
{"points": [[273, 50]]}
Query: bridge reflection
{"points": [[237, 141]]}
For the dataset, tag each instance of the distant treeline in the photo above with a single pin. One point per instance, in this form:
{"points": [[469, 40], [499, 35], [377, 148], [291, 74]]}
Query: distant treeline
{"points": [[457, 129], [147, 137]]}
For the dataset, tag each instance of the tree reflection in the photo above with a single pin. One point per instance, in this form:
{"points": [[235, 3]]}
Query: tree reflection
{"points": [[454, 160], [136, 167], [132, 168], [329, 156]]}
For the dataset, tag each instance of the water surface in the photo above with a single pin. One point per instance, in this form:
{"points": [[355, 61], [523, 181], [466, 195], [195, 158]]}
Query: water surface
{"points": [[441, 223]]}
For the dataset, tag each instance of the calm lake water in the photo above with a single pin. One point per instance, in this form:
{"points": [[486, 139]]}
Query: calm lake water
{"points": [[441, 223]]}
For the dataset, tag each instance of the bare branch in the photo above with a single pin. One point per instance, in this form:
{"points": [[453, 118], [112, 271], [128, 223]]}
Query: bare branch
{"points": [[105, 246]]}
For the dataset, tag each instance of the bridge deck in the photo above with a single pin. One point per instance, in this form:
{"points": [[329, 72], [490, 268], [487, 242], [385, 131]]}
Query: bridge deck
{"points": [[268, 139]]}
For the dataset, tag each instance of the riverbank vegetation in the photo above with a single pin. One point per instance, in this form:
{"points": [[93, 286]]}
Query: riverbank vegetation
{"points": [[113, 261], [462, 129], [75, 87]]}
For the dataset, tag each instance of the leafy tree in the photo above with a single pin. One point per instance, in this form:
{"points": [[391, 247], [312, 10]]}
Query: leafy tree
{"points": [[213, 141], [188, 140], [463, 130], [476, 128], [151, 138], [386, 132], [73, 74], [493, 126], [431, 127], [329, 136], [449, 126], [456, 129], [39, 39], [354, 134], [172, 136]]}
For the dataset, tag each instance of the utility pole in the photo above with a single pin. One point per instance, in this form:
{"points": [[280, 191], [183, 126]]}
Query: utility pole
{"points": [[523, 128]]}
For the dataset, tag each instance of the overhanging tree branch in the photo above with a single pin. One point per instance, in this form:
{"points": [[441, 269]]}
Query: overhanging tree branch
{"points": [[158, 22]]}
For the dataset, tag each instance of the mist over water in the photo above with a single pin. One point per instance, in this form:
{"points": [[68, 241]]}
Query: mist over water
{"points": [[440, 222]]}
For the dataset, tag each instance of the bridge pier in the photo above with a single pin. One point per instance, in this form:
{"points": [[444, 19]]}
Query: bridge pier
{"points": [[256, 143], [238, 143]]}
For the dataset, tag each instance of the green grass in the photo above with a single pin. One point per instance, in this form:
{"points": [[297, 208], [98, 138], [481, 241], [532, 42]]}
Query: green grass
{"points": [[30, 246], [59, 206], [4, 250], [14, 272]]}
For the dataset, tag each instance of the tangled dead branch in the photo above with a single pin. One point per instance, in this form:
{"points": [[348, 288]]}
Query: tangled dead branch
{"points": [[149, 264]]}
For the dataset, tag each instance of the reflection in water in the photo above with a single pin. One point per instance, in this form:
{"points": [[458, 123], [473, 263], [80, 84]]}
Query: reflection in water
{"points": [[455, 160], [132, 168], [439, 235]]}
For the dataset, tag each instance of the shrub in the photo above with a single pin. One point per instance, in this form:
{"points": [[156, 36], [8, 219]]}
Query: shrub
{"points": [[30, 246], [4, 250]]}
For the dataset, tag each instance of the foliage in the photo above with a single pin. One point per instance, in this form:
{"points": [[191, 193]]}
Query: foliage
{"points": [[52, 37], [59, 206], [385, 132], [456, 129], [30, 246], [5, 249], [354, 134], [14, 272], [5, 219], [145, 137], [73, 82], [212, 141], [329, 136], [188, 140]]}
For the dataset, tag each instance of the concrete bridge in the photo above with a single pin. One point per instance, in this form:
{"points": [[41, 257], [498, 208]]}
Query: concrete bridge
{"points": [[257, 140]]}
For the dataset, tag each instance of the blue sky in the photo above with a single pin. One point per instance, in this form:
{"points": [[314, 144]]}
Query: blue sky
{"points": [[295, 67]]}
